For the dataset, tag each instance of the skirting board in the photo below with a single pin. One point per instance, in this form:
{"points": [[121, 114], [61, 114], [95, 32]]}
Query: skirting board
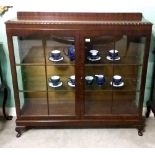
{"points": [[9, 111], [12, 111]]}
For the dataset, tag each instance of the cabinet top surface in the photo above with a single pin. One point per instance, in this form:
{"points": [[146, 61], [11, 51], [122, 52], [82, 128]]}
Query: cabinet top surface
{"points": [[79, 18]]}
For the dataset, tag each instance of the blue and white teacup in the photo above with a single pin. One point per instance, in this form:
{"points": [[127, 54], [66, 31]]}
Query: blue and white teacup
{"points": [[55, 80], [72, 79], [56, 54], [113, 54], [89, 79], [117, 79], [100, 79], [93, 54]]}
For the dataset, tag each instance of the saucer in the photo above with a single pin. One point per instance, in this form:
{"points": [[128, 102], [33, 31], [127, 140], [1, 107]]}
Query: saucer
{"points": [[55, 86], [56, 60], [109, 58], [70, 84], [114, 85], [91, 59]]}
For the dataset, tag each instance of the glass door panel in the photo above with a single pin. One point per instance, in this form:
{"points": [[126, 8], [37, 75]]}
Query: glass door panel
{"points": [[28, 50], [105, 57], [67, 51], [31, 78], [98, 102], [126, 98], [98, 92], [33, 103], [125, 102], [61, 78]]}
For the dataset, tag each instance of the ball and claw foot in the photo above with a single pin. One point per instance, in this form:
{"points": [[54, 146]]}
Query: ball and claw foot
{"points": [[18, 134], [140, 133], [19, 131]]}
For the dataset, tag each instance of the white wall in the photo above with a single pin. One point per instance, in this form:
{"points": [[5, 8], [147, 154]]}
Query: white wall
{"points": [[147, 7]]}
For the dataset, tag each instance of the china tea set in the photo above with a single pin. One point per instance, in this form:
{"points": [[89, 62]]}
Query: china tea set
{"points": [[93, 55], [55, 55], [54, 81], [100, 80]]}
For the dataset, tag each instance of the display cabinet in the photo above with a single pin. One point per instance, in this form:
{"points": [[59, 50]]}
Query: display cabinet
{"points": [[78, 69]]}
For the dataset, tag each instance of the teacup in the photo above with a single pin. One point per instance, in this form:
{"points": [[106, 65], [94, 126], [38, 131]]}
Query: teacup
{"points": [[113, 54], [55, 80], [89, 79], [56, 54], [72, 79], [93, 54], [100, 79], [117, 79], [71, 53]]}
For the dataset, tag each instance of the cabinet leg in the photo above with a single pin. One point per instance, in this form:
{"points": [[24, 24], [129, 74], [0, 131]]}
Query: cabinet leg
{"points": [[4, 104], [20, 130]]}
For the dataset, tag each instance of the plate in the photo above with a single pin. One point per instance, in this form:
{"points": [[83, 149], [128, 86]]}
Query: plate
{"points": [[97, 59], [109, 58], [70, 84], [114, 85], [54, 86], [55, 60]]}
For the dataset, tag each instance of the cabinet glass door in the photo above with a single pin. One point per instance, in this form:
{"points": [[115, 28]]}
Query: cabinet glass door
{"points": [[113, 69], [45, 68]]}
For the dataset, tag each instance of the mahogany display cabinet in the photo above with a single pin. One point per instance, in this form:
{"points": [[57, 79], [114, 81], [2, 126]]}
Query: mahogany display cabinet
{"points": [[65, 65]]}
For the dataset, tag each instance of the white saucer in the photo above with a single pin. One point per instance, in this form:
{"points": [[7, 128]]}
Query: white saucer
{"points": [[55, 60], [109, 58], [70, 84], [91, 59], [114, 85], [54, 86]]}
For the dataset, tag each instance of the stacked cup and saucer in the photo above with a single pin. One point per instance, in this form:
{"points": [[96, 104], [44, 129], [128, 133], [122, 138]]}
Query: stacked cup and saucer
{"points": [[55, 56], [93, 55], [54, 81], [113, 55], [117, 81], [71, 81]]}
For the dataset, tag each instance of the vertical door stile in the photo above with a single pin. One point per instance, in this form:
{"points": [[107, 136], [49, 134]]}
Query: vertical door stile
{"points": [[45, 65], [79, 75], [82, 63], [113, 71]]}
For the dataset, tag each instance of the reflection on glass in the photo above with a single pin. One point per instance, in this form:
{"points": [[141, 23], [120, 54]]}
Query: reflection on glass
{"points": [[61, 103], [31, 77], [28, 51], [125, 102]]}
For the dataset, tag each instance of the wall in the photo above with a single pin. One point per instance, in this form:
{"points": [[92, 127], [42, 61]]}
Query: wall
{"points": [[146, 7]]}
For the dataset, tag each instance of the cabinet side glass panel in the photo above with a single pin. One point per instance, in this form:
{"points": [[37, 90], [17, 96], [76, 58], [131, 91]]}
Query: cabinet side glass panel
{"points": [[28, 50], [126, 97], [33, 103]]}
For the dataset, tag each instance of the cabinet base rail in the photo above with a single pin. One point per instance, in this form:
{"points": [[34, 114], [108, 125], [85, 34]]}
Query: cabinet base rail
{"points": [[23, 125]]}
